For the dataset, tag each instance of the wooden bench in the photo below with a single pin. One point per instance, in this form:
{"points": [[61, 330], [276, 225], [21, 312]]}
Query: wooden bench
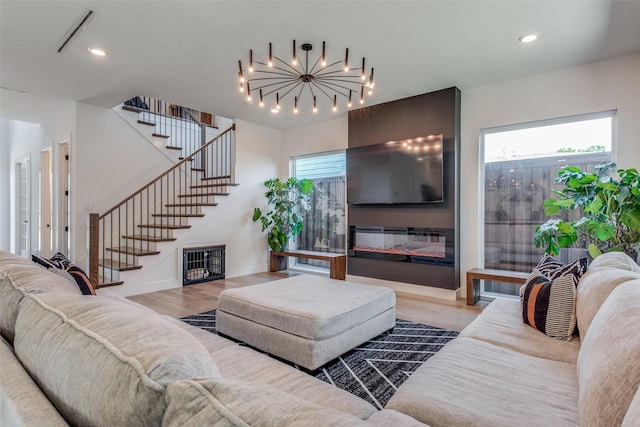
{"points": [[337, 262], [475, 275]]}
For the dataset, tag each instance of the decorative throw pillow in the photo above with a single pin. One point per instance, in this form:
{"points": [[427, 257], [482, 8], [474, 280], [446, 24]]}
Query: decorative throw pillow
{"points": [[548, 264], [60, 265], [550, 305], [57, 261], [82, 280], [61, 261], [552, 268], [549, 301]]}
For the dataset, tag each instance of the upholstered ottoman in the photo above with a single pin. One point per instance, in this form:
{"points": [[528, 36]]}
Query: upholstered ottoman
{"points": [[308, 320]]}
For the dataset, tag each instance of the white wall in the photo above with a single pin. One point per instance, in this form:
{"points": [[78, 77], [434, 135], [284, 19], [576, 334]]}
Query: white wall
{"points": [[25, 140], [109, 161], [329, 135], [5, 195], [598, 86], [603, 85], [258, 153]]}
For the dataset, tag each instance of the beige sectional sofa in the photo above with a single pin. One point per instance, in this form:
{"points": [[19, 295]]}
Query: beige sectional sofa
{"points": [[501, 372], [68, 359]]}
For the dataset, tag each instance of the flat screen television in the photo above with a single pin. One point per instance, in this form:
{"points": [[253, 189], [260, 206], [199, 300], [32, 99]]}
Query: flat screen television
{"points": [[396, 172]]}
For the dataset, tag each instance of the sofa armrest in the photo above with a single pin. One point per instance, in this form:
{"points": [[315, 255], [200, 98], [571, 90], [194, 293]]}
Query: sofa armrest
{"points": [[22, 403]]}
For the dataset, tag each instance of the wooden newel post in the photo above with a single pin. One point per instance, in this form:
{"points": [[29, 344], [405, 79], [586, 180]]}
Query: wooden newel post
{"points": [[94, 248]]}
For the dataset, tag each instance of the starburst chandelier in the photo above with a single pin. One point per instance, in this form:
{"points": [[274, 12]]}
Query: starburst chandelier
{"points": [[304, 82]]}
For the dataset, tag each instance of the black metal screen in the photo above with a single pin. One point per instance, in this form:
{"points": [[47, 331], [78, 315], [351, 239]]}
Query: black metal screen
{"points": [[202, 264]]}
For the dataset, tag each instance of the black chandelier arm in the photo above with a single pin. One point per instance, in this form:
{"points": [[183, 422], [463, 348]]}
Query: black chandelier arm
{"points": [[279, 85], [295, 70], [319, 86], [346, 86], [315, 64], [338, 73], [259, 79], [289, 91], [282, 73], [331, 87]]}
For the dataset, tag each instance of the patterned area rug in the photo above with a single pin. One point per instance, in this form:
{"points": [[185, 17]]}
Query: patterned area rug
{"points": [[374, 370]]}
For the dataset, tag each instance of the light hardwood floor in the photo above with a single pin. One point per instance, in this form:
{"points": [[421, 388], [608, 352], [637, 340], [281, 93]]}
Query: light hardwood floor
{"points": [[201, 297]]}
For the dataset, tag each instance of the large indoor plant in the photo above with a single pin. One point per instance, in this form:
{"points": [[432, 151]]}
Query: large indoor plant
{"points": [[611, 211], [284, 219]]}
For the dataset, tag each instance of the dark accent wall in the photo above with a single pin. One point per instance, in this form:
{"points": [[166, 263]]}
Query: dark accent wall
{"points": [[421, 115]]}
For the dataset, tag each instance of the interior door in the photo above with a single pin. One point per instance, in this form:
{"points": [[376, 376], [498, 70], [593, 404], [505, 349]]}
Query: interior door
{"points": [[46, 195], [23, 216], [64, 203]]}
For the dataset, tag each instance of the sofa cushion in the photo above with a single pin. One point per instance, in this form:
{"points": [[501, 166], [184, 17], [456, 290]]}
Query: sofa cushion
{"points": [[474, 383], [549, 304], [501, 324], [632, 417], [609, 360], [605, 273], [19, 276], [104, 362], [238, 403], [22, 403]]}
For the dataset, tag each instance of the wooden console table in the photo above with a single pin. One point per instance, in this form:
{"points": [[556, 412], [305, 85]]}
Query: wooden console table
{"points": [[475, 275], [337, 262]]}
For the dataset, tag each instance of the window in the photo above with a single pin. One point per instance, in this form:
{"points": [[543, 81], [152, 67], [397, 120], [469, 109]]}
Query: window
{"points": [[520, 165], [324, 224]]}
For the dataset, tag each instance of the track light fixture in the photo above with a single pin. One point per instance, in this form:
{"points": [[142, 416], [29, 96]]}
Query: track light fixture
{"points": [[293, 84]]}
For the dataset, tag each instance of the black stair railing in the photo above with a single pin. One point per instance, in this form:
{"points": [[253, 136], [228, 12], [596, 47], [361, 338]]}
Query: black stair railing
{"points": [[134, 226]]}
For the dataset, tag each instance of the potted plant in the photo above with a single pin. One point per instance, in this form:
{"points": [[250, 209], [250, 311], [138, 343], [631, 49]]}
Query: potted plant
{"points": [[610, 205], [282, 221]]}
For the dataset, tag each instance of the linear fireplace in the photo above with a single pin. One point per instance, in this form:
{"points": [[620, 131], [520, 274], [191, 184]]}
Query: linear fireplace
{"points": [[402, 244]]}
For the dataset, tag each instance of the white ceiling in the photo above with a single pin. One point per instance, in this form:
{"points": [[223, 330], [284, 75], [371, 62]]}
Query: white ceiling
{"points": [[187, 52]]}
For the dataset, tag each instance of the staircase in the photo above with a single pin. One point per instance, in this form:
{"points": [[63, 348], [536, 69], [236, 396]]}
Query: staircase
{"points": [[138, 226]]}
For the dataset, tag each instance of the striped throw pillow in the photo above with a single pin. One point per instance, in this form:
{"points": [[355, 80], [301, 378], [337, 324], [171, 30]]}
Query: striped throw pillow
{"points": [[549, 298], [549, 305]]}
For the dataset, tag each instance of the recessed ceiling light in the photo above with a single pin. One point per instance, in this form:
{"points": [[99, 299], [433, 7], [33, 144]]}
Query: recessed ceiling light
{"points": [[97, 52], [528, 38]]}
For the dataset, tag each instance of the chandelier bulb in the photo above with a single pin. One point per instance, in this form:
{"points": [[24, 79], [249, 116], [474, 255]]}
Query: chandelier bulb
{"points": [[270, 56], [293, 56], [324, 58], [251, 60], [295, 105], [346, 60], [364, 73], [261, 101], [315, 105]]}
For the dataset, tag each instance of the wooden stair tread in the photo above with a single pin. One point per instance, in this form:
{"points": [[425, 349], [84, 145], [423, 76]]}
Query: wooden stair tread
{"points": [[209, 178], [132, 108], [107, 285], [189, 205], [179, 215], [203, 194], [171, 147], [146, 122], [197, 169], [150, 238], [217, 184], [133, 251], [114, 264], [160, 135], [165, 226]]}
